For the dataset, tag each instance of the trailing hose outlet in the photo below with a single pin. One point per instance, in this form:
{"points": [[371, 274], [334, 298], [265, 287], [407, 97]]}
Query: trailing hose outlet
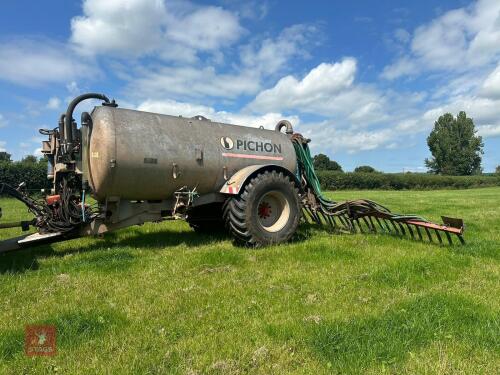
{"points": [[363, 215]]}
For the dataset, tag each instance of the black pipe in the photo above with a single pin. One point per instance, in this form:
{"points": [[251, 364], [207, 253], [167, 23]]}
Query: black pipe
{"points": [[286, 124], [68, 119], [16, 193], [61, 125]]}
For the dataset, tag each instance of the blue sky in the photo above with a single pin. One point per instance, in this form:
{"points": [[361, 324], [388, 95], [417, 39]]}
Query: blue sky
{"points": [[364, 80]]}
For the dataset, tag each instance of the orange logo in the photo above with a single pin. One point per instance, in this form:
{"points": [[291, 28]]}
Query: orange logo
{"points": [[40, 340]]}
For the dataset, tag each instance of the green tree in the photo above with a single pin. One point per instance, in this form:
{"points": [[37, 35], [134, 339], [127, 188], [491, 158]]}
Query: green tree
{"points": [[323, 163], [29, 159], [497, 170], [5, 156], [334, 166], [365, 169], [455, 147]]}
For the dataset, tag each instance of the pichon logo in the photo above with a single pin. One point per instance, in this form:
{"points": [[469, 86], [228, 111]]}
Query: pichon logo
{"points": [[255, 146], [227, 143]]}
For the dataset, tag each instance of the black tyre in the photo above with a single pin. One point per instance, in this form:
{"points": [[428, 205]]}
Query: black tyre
{"points": [[206, 219], [266, 212]]}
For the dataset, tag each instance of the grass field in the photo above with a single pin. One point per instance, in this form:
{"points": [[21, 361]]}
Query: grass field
{"points": [[160, 299]]}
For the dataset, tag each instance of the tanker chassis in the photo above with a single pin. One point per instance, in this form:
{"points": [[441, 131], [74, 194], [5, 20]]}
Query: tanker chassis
{"points": [[144, 167]]}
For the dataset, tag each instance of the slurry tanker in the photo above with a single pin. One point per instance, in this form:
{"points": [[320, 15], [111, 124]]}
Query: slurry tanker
{"points": [[123, 167]]}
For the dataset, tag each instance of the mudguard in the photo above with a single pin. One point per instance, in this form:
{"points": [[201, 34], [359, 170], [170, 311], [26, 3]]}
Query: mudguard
{"points": [[238, 180]]}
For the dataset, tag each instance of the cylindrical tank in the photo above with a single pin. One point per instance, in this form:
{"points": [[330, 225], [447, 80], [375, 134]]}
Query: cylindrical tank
{"points": [[138, 155]]}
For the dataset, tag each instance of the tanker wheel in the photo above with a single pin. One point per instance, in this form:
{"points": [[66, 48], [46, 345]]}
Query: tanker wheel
{"points": [[266, 212]]}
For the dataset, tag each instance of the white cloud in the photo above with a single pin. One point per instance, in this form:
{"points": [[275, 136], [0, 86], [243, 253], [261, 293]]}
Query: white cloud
{"points": [[252, 10], [132, 26], [328, 90], [138, 27], [484, 111], [206, 28], [193, 82], [175, 108], [272, 54], [403, 67], [2, 146], [443, 42], [319, 84], [37, 152], [458, 40], [54, 103], [192, 36], [325, 133], [257, 60], [485, 26], [460, 84], [489, 131], [358, 117], [491, 86], [465, 44], [3, 121], [38, 61]]}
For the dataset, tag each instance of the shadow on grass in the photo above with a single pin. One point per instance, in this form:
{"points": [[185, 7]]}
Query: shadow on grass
{"points": [[356, 345], [483, 249], [305, 231], [23, 260], [27, 259], [74, 329]]}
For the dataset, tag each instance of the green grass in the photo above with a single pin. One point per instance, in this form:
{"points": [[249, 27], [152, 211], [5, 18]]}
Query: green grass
{"points": [[161, 299]]}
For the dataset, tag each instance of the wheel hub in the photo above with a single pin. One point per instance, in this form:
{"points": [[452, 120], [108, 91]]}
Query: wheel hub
{"points": [[273, 211], [264, 210]]}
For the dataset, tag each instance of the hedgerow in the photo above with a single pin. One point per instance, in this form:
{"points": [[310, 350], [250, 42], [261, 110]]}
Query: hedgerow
{"points": [[33, 174], [331, 180]]}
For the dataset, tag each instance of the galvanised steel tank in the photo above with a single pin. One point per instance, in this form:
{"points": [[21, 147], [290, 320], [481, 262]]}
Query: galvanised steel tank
{"points": [[138, 155]]}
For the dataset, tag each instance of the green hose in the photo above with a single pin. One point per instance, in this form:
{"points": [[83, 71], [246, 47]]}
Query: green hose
{"points": [[328, 207], [306, 169]]}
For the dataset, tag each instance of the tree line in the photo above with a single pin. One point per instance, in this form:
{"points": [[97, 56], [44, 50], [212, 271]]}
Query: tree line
{"points": [[322, 162]]}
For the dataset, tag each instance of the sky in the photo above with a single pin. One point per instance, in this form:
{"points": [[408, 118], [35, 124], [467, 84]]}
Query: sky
{"points": [[364, 80]]}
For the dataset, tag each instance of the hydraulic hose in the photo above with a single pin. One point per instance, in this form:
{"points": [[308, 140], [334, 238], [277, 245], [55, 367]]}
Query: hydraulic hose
{"points": [[68, 117]]}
